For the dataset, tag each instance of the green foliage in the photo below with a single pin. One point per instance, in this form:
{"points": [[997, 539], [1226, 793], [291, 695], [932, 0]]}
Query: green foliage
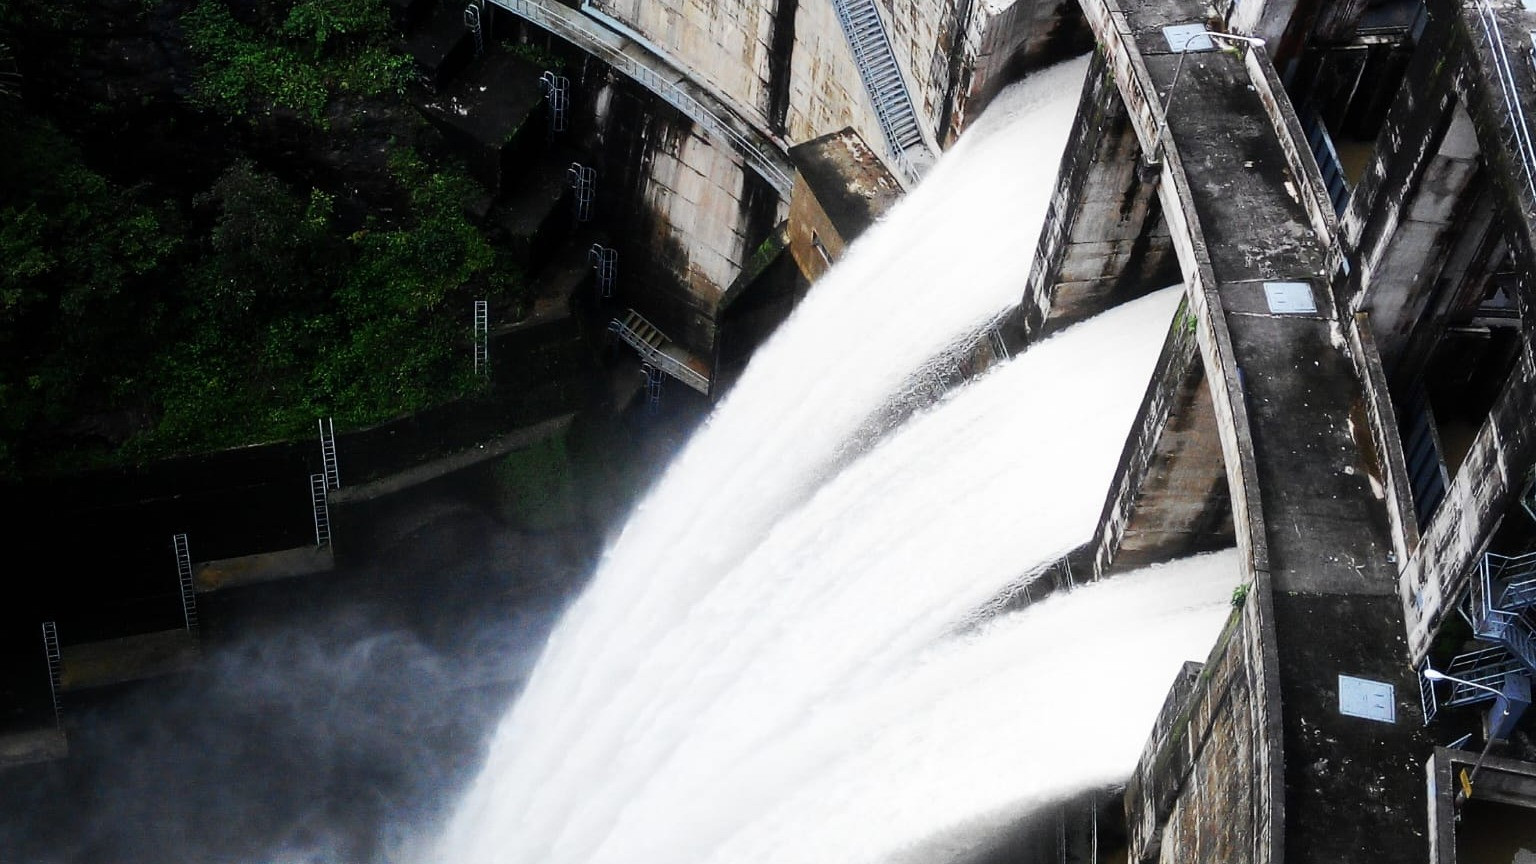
{"points": [[1240, 595], [81, 261], [290, 320], [317, 49], [536, 486], [537, 55]]}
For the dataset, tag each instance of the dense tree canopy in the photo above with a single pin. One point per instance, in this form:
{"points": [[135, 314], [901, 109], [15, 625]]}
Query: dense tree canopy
{"points": [[138, 319]]}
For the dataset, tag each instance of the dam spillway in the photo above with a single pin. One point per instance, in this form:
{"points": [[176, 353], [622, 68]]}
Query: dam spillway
{"points": [[1347, 399]]}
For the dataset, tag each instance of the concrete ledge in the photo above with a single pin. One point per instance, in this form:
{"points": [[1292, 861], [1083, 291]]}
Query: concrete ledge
{"points": [[1500, 781], [262, 567], [517, 440], [132, 658], [34, 745]]}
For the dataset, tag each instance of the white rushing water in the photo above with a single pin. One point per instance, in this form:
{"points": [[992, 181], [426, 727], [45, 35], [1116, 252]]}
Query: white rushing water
{"points": [[766, 665]]}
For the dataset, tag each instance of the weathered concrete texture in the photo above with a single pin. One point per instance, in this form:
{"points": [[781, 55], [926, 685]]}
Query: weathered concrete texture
{"points": [[826, 92], [693, 195], [1103, 242], [1203, 790], [1499, 781], [924, 34], [725, 43], [686, 210], [1331, 758], [1244, 209], [1169, 497], [1003, 44], [841, 188], [1401, 223], [1482, 491], [263, 567], [1452, 119], [131, 658], [37, 745]]}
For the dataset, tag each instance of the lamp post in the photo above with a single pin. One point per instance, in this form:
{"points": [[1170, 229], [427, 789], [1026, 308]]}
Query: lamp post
{"points": [[1465, 791], [1156, 157]]}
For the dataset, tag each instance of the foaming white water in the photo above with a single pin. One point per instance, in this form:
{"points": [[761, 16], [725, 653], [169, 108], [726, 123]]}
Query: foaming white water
{"points": [[886, 558], [698, 741], [944, 262], [1034, 707]]}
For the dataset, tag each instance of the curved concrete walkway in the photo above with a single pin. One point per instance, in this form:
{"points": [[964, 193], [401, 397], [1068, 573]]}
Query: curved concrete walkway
{"points": [[1255, 239], [764, 154]]}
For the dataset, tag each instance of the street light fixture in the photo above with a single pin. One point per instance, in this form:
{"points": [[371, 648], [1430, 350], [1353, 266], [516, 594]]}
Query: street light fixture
{"points": [[1466, 778]]}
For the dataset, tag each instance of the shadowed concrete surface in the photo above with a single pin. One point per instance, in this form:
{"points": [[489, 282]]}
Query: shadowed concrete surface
{"points": [[333, 717]]}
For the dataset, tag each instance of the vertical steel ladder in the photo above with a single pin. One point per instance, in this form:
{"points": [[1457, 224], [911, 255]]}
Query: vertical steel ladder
{"points": [[482, 338], [557, 89], [582, 180], [328, 454], [605, 262], [184, 579], [322, 510], [55, 669]]}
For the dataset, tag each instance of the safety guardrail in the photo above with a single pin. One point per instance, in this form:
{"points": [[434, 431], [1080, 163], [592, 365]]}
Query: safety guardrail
{"points": [[576, 29]]}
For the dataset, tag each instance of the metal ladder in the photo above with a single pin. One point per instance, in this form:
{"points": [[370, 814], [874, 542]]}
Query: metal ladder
{"points": [[482, 338], [653, 378], [605, 261], [184, 578], [557, 90], [328, 454], [472, 14], [55, 669], [999, 344], [322, 510], [582, 180], [876, 60]]}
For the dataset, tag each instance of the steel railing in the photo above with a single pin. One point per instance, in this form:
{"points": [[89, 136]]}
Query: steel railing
{"points": [[1525, 149], [574, 28], [653, 354]]}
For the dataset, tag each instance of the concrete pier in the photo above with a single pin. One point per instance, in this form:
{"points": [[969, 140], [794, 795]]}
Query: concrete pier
{"points": [[1254, 233]]}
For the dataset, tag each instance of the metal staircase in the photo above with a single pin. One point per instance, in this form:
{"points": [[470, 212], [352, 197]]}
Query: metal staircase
{"points": [[887, 89], [1500, 604], [1501, 607], [641, 335]]}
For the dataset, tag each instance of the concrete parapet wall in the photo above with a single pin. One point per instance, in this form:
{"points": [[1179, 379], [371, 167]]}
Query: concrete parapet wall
{"points": [[727, 44], [1483, 490], [1204, 791], [1103, 242]]}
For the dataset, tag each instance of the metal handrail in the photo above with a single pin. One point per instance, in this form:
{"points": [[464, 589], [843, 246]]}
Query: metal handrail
{"points": [[658, 358], [674, 95], [883, 114], [1524, 146], [1516, 575]]}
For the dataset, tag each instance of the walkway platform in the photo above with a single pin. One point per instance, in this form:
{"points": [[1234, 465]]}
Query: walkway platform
{"points": [[1254, 235]]}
